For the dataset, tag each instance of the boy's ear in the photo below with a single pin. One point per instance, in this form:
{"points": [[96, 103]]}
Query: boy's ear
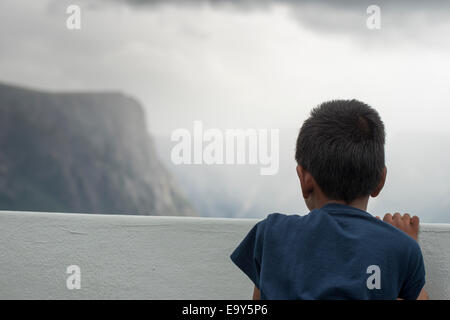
{"points": [[380, 186], [306, 181]]}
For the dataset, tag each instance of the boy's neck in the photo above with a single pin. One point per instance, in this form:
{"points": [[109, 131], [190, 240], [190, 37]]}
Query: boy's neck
{"points": [[360, 203]]}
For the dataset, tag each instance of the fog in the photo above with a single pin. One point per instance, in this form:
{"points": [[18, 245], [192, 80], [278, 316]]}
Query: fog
{"points": [[253, 64]]}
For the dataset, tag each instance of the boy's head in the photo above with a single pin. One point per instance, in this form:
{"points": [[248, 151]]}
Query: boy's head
{"points": [[340, 152]]}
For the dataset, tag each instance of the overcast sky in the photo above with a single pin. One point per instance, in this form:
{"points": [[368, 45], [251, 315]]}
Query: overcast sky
{"points": [[251, 64], [268, 63]]}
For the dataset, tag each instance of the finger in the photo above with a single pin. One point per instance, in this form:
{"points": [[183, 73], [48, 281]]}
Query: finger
{"points": [[387, 218], [415, 222], [397, 216], [407, 218]]}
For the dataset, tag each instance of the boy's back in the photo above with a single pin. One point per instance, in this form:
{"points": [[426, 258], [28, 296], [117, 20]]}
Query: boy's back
{"points": [[336, 252]]}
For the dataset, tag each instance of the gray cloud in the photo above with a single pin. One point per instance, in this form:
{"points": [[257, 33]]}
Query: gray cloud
{"points": [[261, 3], [404, 7], [410, 21]]}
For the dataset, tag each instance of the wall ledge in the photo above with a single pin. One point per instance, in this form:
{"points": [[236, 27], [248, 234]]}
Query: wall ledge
{"points": [[148, 257]]}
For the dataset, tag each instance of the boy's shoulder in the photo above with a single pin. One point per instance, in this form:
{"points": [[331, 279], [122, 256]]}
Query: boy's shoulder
{"points": [[276, 218], [385, 232], [280, 222], [404, 243]]}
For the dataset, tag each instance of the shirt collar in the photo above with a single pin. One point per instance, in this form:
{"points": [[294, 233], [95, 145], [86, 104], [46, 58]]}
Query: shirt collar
{"points": [[342, 208]]}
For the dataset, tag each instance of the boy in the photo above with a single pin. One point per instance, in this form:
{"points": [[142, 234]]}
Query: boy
{"points": [[338, 250]]}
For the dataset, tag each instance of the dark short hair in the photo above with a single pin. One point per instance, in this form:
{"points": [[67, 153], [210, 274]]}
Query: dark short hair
{"points": [[342, 145]]}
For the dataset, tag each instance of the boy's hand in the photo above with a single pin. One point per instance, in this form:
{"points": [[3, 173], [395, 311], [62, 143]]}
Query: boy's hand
{"points": [[405, 223]]}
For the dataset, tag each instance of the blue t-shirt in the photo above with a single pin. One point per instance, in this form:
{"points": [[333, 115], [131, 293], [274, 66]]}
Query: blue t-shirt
{"points": [[336, 252]]}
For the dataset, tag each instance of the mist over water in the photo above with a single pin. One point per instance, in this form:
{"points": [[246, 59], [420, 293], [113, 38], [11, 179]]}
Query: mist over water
{"points": [[417, 181]]}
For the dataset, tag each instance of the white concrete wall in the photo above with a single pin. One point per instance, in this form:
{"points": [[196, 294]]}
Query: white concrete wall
{"points": [[137, 257]]}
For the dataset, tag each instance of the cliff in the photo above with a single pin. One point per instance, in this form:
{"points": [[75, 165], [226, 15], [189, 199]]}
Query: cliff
{"points": [[81, 152]]}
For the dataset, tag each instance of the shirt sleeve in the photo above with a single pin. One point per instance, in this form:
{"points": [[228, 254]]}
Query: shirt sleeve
{"points": [[248, 255], [415, 279]]}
